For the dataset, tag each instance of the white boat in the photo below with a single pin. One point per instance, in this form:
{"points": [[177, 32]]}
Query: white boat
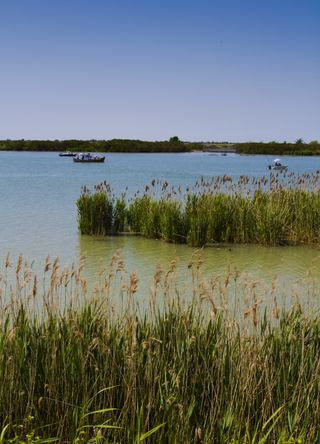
{"points": [[278, 166], [87, 158]]}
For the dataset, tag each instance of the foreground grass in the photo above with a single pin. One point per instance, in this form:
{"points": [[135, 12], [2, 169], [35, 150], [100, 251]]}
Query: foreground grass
{"points": [[93, 367], [264, 211]]}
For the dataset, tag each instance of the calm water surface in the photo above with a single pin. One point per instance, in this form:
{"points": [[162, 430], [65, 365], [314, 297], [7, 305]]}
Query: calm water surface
{"points": [[38, 214]]}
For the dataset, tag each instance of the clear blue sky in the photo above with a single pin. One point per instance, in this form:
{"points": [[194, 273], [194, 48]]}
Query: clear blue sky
{"points": [[233, 70]]}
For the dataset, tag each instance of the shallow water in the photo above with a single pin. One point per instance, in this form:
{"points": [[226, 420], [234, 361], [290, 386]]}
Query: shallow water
{"points": [[38, 216], [293, 271]]}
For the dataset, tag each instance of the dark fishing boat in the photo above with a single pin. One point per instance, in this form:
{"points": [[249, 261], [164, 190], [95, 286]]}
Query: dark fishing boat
{"points": [[88, 158], [67, 154]]}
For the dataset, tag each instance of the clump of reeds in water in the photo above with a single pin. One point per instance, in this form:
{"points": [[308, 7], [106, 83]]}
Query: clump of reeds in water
{"points": [[275, 210], [99, 212], [74, 367]]}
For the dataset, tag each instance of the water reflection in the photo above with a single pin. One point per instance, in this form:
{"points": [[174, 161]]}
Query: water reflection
{"points": [[232, 277], [284, 272]]}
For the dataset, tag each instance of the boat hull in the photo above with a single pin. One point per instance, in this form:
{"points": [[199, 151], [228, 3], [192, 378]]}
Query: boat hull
{"points": [[67, 154], [278, 168], [99, 160]]}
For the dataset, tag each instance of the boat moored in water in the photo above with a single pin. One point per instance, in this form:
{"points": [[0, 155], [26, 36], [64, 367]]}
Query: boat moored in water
{"points": [[67, 154], [88, 158], [278, 166]]}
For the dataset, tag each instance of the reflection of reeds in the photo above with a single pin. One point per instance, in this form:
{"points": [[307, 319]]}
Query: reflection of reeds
{"points": [[269, 211], [206, 372]]}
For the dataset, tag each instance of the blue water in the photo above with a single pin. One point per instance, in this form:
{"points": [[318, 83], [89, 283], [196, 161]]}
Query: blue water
{"points": [[39, 216]]}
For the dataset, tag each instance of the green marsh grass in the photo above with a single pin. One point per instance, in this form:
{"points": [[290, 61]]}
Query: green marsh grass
{"points": [[87, 367], [277, 210]]}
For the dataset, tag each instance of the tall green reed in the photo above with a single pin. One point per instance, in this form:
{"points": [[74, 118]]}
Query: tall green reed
{"points": [[264, 211], [198, 370], [95, 212]]}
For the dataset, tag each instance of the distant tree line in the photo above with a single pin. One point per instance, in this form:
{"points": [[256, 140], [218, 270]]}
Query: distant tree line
{"points": [[276, 148], [173, 145]]}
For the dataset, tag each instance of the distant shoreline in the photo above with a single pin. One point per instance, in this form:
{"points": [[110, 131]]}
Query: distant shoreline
{"points": [[173, 145]]}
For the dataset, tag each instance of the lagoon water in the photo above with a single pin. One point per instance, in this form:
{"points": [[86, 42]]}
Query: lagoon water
{"points": [[39, 215]]}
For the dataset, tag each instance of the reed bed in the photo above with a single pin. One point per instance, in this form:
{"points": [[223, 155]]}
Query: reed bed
{"points": [[274, 210], [75, 368]]}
